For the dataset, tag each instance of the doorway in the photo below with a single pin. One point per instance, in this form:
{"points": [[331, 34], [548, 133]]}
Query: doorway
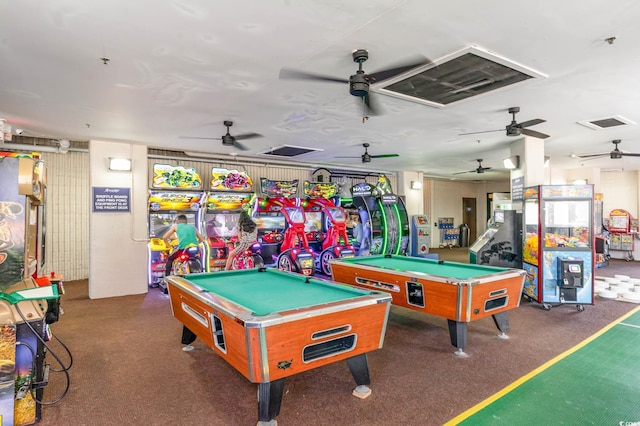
{"points": [[469, 216]]}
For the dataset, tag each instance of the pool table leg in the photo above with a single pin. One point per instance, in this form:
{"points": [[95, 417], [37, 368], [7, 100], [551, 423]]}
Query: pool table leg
{"points": [[502, 322], [269, 400], [458, 335], [359, 368], [188, 336]]}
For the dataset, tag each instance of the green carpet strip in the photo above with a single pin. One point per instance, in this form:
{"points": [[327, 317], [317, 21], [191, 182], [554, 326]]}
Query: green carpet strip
{"points": [[597, 382]]}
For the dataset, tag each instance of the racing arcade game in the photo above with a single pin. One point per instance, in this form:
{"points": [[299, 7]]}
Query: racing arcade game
{"points": [[325, 226], [287, 247], [175, 191], [500, 245], [230, 192]]}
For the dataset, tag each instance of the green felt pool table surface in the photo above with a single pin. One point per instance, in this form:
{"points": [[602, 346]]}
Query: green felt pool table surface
{"points": [[461, 271], [267, 291]]}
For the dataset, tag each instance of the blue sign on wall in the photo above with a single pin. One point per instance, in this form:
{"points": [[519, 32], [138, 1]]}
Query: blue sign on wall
{"points": [[111, 200]]}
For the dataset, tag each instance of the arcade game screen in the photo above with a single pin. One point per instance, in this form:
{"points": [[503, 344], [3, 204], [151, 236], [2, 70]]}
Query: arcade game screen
{"points": [[222, 225], [159, 223], [314, 222], [268, 223]]}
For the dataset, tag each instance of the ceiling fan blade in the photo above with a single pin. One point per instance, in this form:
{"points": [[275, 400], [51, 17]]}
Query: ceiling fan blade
{"points": [[530, 123], [629, 154], [485, 131], [247, 136], [359, 156], [240, 146], [468, 171], [291, 74], [534, 134], [384, 156], [198, 137], [372, 107], [399, 69]]}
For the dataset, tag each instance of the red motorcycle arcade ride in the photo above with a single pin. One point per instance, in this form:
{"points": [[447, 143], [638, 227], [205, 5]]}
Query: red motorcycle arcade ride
{"points": [[286, 244], [326, 225]]}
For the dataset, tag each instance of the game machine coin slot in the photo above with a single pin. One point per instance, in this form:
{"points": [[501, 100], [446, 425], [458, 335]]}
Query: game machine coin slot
{"points": [[558, 249], [420, 236], [623, 228], [287, 247], [175, 190], [231, 191], [383, 216], [326, 225], [500, 244]]}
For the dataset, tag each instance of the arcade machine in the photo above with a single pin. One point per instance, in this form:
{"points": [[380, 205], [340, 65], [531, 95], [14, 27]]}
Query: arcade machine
{"points": [[175, 190], [281, 228], [22, 198], [622, 227], [325, 226], [500, 244], [383, 216], [230, 191], [420, 236], [23, 372], [558, 253]]}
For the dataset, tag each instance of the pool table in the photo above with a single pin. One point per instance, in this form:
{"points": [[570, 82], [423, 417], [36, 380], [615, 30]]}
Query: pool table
{"points": [[459, 292], [270, 324]]}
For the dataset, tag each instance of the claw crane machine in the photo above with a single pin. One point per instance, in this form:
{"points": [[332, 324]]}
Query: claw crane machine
{"points": [[558, 247]]}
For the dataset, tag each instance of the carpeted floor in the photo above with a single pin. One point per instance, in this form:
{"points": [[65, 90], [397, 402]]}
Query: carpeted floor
{"points": [[128, 366]]}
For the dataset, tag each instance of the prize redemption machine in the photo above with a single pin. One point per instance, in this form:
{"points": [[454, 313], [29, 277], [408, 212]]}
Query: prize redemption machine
{"points": [[230, 192], [383, 216], [557, 252], [325, 226], [175, 191], [622, 228], [281, 228], [500, 244]]}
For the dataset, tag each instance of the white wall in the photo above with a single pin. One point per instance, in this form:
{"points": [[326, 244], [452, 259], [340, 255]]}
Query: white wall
{"points": [[118, 241]]}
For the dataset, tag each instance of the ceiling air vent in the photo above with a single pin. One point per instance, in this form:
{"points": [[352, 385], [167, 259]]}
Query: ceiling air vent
{"points": [[603, 123], [289, 151], [461, 75]]}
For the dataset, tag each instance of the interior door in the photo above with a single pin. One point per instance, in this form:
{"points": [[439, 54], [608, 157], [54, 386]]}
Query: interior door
{"points": [[469, 216]]}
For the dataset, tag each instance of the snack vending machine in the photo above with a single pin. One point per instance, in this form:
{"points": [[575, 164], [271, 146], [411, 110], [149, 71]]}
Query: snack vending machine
{"points": [[558, 252]]}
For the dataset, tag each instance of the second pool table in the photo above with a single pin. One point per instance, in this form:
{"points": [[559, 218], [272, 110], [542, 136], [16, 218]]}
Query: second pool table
{"points": [[459, 292]]}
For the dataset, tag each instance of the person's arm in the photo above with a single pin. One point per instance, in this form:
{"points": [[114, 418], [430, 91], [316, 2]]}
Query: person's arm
{"points": [[200, 237]]}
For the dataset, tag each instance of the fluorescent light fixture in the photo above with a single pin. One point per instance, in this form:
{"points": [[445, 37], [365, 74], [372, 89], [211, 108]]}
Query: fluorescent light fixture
{"points": [[511, 162], [120, 164], [416, 184]]}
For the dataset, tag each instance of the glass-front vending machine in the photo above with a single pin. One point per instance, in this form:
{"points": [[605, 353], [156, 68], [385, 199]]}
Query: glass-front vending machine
{"points": [[558, 252]]}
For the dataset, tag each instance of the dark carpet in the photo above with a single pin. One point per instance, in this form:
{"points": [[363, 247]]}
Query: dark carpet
{"points": [[128, 366]]}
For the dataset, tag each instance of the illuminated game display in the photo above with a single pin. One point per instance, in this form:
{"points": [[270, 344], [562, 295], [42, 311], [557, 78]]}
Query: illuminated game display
{"points": [[229, 192], [176, 194]]}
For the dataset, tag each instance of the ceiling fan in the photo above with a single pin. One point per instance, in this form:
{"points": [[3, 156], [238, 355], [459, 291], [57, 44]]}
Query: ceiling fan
{"points": [[479, 169], [366, 157], [516, 129], [228, 139], [360, 81], [614, 155]]}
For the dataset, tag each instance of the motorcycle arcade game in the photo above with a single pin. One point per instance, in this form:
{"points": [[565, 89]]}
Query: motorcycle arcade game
{"points": [[175, 190], [384, 218], [231, 191], [281, 228], [325, 226]]}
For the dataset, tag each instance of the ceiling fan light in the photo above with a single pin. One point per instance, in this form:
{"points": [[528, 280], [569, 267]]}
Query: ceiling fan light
{"points": [[615, 155]]}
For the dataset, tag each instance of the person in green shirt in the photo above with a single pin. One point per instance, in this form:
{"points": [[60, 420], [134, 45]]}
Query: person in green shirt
{"points": [[187, 236]]}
